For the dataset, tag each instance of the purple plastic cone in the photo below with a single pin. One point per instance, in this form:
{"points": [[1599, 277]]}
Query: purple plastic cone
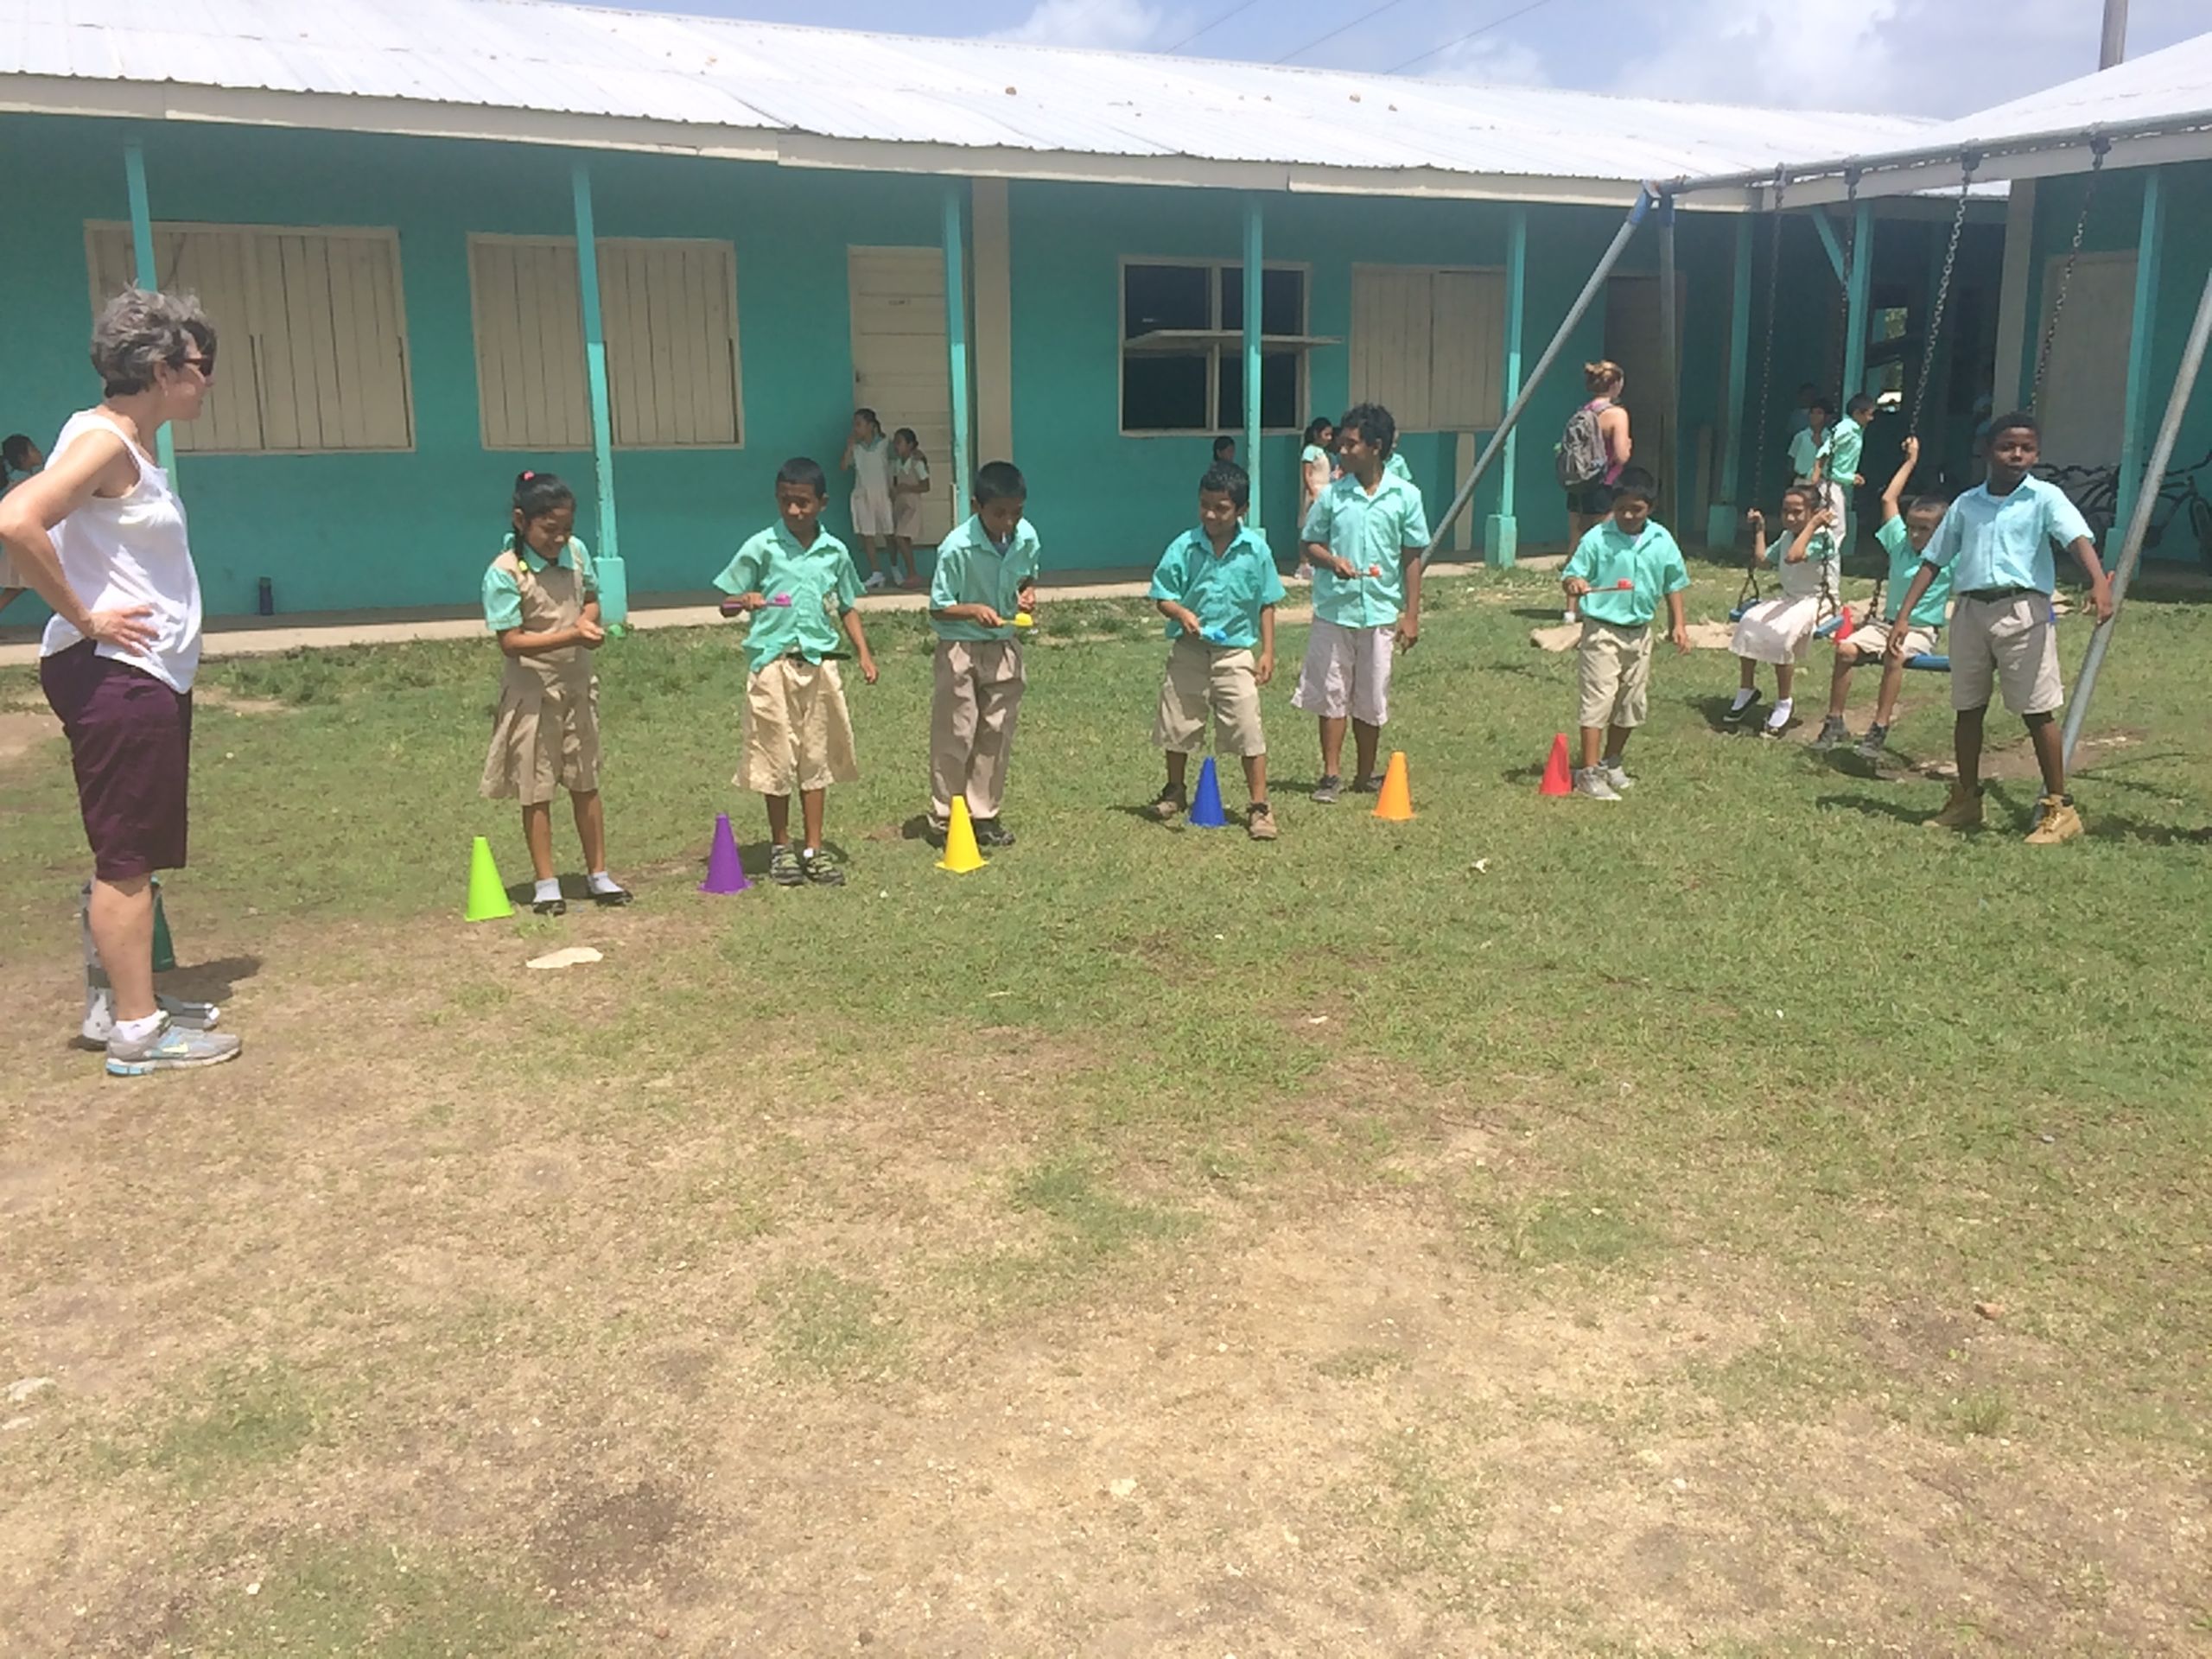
{"points": [[725, 870]]}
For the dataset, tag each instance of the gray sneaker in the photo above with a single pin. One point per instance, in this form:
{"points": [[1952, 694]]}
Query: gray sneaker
{"points": [[1616, 774], [170, 1048], [1591, 782], [1875, 744], [1832, 733], [1326, 791], [99, 1014]]}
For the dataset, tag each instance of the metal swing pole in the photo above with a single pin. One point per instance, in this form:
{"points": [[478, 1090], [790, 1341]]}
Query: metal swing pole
{"points": [[1645, 199], [2139, 521]]}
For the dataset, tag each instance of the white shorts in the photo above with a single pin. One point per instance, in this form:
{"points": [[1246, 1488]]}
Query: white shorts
{"points": [[1347, 673], [872, 512]]}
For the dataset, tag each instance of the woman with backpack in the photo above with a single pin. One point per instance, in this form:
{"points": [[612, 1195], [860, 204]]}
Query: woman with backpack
{"points": [[1592, 451]]}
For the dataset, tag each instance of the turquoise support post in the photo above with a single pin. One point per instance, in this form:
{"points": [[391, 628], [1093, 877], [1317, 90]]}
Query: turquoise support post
{"points": [[614, 577], [1828, 242], [1502, 533], [1255, 303], [1720, 518], [1862, 277], [1670, 374], [149, 274], [955, 337], [2150, 251]]}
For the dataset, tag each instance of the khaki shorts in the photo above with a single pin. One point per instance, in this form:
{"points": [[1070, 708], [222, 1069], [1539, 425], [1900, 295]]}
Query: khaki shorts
{"points": [[1614, 669], [794, 729], [2006, 644], [1347, 672], [1870, 639], [1201, 678]]}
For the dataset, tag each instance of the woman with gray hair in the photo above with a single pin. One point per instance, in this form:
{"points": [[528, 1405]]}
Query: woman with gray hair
{"points": [[100, 536]]}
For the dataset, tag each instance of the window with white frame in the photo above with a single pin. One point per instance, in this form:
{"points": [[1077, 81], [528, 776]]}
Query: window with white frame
{"points": [[669, 311], [1182, 346], [311, 332], [1428, 344]]}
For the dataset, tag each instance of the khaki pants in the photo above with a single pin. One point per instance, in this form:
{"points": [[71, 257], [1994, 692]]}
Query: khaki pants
{"points": [[979, 686], [1614, 671], [1201, 678]]}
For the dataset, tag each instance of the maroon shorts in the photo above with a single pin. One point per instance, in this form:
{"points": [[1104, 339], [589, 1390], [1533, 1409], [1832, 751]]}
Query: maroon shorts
{"points": [[130, 744]]}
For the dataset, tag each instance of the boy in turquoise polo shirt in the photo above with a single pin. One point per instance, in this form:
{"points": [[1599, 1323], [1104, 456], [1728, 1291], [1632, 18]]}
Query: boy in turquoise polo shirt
{"points": [[1905, 532], [986, 576], [794, 728], [1996, 541], [1617, 577], [1364, 537], [1836, 467], [1218, 589]]}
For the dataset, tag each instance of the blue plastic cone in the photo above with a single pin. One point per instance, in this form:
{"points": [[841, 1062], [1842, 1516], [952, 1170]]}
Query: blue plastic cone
{"points": [[725, 871], [1205, 805]]}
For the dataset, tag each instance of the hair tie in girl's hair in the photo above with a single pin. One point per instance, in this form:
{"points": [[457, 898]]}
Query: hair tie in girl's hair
{"points": [[526, 477]]}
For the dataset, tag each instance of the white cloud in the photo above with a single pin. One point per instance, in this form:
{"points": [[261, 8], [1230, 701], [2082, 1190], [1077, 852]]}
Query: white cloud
{"points": [[1487, 60], [1121, 25]]}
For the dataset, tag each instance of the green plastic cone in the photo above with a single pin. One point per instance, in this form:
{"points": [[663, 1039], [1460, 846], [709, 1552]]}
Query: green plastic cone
{"points": [[164, 946], [487, 894]]}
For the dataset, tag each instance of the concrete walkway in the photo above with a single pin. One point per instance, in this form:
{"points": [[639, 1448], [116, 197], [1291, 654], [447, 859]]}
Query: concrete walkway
{"points": [[258, 636]]}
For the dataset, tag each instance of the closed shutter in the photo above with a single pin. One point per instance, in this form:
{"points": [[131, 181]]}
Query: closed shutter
{"points": [[1429, 345]]}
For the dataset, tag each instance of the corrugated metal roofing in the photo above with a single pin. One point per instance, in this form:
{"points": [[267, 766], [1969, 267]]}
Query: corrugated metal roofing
{"points": [[2172, 85], [548, 59]]}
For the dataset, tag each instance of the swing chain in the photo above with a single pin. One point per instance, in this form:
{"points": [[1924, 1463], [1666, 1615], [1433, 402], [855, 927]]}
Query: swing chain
{"points": [[1971, 160], [1844, 394], [2098, 147], [1766, 361]]}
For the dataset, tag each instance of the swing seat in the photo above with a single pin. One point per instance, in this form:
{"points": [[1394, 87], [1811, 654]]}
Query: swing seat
{"points": [[1929, 662]]}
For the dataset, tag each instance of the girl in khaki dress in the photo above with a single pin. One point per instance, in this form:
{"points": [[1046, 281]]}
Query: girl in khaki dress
{"points": [[540, 599]]}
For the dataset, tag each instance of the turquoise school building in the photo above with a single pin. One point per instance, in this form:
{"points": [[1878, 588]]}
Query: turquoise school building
{"points": [[447, 240]]}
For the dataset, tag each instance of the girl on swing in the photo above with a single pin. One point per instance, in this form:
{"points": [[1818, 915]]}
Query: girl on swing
{"points": [[1779, 630]]}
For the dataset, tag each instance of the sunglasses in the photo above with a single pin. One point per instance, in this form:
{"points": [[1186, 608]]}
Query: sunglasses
{"points": [[204, 362]]}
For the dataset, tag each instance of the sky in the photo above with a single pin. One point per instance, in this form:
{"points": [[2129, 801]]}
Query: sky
{"points": [[1909, 57]]}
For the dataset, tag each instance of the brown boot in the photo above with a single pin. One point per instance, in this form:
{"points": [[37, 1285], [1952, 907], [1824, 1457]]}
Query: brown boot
{"points": [[1260, 823], [2056, 821], [1962, 811]]}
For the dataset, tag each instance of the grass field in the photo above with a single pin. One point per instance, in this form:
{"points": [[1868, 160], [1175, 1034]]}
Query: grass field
{"points": [[1737, 1221]]}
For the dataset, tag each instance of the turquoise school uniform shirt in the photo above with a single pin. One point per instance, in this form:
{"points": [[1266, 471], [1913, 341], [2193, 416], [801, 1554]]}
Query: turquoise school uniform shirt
{"points": [[1397, 468], [1846, 440], [972, 570], [1649, 561], [1369, 532], [773, 563], [2005, 541], [1903, 563], [503, 599], [1821, 549], [1227, 590]]}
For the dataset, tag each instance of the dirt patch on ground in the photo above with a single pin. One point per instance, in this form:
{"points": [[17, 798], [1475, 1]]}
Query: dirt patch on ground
{"points": [[22, 730]]}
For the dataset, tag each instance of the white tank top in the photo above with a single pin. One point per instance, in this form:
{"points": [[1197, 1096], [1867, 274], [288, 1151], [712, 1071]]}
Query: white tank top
{"points": [[130, 549]]}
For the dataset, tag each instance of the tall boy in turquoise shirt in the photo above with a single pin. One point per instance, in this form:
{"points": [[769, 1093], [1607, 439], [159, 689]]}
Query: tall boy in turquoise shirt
{"points": [[1996, 540], [1218, 589], [1617, 577], [986, 575]]}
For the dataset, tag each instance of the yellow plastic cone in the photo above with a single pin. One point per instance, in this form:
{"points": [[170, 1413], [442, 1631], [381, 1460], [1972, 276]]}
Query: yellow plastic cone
{"points": [[961, 855], [1395, 803], [487, 894]]}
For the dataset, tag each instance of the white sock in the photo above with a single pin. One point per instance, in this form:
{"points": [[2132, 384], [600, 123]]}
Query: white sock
{"points": [[138, 1031], [547, 889], [603, 882], [1744, 695], [1780, 717]]}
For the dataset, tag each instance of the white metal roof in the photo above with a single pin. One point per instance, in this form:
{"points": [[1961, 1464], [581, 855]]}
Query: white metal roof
{"points": [[521, 69], [2172, 86]]}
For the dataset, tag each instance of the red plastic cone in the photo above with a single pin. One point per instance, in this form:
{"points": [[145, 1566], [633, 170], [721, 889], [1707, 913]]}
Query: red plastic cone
{"points": [[1559, 776]]}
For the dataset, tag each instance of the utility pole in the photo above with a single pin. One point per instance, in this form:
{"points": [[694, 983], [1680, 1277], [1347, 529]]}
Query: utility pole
{"points": [[2114, 48]]}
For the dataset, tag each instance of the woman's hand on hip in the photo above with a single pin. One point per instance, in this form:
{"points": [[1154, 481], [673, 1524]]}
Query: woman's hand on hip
{"points": [[125, 627]]}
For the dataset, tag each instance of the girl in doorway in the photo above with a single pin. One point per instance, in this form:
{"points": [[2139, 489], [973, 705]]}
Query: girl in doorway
{"points": [[868, 458], [1592, 503], [541, 599], [909, 482]]}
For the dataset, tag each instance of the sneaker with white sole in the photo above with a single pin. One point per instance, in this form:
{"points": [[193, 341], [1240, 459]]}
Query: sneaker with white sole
{"points": [[1591, 781], [170, 1048], [875, 582], [1875, 744], [1326, 791], [99, 1014], [1616, 775]]}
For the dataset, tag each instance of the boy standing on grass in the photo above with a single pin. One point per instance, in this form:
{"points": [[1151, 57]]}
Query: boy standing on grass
{"points": [[1905, 533], [1364, 538], [1996, 541], [986, 575], [1836, 467], [794, 728], [1218, 589], [1617, 577]]}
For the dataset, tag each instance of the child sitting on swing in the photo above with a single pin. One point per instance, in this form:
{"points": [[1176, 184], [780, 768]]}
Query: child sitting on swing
{"points": [[1904, 535], [1778, 630]]}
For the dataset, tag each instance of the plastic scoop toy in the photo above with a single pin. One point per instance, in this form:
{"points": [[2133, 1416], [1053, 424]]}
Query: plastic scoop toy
{"points": [[1215, 637], [783, 601], [1023, 619]]}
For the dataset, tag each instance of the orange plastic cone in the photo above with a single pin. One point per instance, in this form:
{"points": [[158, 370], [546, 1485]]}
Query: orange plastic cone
{"points": [[1395, 803], [1559, 777]]}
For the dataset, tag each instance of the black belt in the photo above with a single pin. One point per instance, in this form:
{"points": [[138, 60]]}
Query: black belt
{"points": [[1997, 595]]}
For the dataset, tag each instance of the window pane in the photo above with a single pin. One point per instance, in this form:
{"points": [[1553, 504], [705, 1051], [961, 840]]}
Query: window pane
{"points": [[1282, 299], [1164, 296], [1164, 393], [1278, 392]]}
